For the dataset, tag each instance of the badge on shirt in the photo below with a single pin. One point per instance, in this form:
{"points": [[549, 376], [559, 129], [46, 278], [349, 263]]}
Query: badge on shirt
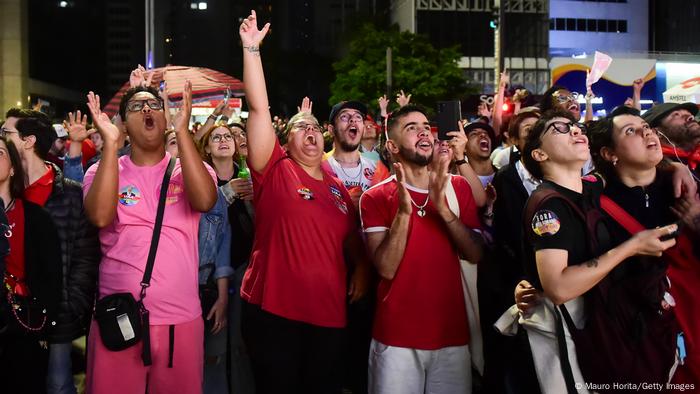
{"points": [[174, 192], [369, 173], [129, 195], [305, 193], [336, 192], [545, 223]]}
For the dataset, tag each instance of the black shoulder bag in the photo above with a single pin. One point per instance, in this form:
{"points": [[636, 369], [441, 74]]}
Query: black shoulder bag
{"points": [[123, 321]]}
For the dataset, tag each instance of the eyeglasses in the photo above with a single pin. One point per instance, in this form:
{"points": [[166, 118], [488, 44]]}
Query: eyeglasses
{"points": [[573, 96], [217, 138], [348, 117], [307, 126], [137, 105], [565, 127], [5, 131]]}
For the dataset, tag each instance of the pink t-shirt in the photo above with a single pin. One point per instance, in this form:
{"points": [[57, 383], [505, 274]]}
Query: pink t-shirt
{"points": [[173, 296]]}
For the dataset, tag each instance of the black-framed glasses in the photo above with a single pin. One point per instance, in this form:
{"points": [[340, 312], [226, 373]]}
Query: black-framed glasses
{"points": [[217, 138], [137, 105], [565, 127], [5, 131]]}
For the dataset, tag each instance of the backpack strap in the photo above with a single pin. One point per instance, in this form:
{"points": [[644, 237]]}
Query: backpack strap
{"points": [[622, 217], [539, 197]]}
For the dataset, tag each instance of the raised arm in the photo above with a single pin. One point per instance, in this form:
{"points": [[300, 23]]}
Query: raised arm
{"points": [[199, 185], [637, 86], [101, 199], [261, 135], [497, 120]]}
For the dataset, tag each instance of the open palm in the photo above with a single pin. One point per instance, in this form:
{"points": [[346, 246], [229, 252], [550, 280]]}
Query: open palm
{"points": [[109, 131], [250, 34]]}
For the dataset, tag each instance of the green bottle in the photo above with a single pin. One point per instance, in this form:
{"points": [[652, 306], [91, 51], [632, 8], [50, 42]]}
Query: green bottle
{"points": [[243, 171]]}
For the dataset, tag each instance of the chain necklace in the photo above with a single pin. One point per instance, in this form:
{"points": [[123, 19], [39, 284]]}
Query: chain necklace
{"points": [[348, 177], [421, 208]]}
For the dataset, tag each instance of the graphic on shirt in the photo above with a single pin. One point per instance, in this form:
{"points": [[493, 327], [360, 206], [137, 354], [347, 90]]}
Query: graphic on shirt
{"points": [[129, 195], [339, 202], [305, 193], [336, 192], [369, 173], [174, 193], [545, 223]]}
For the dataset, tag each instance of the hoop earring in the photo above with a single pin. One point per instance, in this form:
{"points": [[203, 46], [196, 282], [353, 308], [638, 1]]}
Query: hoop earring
{"points": [[615, 162]]}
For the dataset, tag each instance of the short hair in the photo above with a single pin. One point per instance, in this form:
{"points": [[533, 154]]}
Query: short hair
{"points": [[16, 180], [600, 136], [517, 120], [131, 93], [534, 139], [22, 113], [283, 135], [393, 118], [42, 130], [546, 101]]}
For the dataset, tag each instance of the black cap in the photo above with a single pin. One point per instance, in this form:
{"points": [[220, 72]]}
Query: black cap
{"points": [[347, 104], [483, 126], [657, 113]]}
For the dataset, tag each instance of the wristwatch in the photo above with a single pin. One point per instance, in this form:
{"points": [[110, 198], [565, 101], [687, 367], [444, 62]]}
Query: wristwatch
{"points": [[463, 161]]}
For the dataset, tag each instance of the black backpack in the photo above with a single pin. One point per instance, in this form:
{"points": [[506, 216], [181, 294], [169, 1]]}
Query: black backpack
{"points": [[627, 336]]}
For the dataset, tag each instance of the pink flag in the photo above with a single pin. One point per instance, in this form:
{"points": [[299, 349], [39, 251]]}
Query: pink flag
{"points": [[601, 63]]}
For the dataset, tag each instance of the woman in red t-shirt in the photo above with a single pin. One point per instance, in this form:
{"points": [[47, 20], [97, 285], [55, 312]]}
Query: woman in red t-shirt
{"points": [[296, 286], [31, 283]]}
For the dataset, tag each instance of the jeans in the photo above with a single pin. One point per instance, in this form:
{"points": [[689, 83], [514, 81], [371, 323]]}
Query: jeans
{"points": [[60, 377]]}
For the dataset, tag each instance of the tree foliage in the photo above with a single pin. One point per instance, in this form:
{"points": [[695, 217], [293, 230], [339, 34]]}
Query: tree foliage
{"points": [[429, 74]]}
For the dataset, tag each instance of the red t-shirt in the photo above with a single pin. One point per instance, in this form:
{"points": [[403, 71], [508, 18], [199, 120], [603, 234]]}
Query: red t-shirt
{"points": [[15, 260], [297, 269], [39, 191], [423, 306]]}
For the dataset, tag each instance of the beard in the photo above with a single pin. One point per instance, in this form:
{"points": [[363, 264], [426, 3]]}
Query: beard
{"points": [[684, 136], [414, 157], [347, 147]]}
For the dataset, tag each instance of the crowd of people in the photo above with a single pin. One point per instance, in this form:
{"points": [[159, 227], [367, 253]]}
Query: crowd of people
{"points": [[532, 253]]}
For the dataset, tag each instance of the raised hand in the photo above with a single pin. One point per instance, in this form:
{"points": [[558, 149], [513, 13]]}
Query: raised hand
{"points": [[138, 77], [251, 36], [505, 79], [306, 105], [438, 185], [405, 202], [484, 110], [228, 111], [182, 122], [110, 133], [219, 108], [638, 84], [76, 124], [458, 143], [402, 99], [383, 105]]}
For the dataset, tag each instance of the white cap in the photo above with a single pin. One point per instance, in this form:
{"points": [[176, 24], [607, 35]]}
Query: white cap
{"points": [[61, 131]]}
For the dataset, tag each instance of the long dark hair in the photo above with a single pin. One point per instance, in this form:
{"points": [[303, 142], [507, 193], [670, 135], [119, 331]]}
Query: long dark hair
{"points": [[16, 180]]}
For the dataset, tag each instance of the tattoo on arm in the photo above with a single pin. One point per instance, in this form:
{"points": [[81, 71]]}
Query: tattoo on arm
{"points": [[254, 49], [592, 263]]}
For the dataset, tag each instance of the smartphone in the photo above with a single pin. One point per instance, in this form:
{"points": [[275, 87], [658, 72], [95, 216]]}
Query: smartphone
{"points": [[227, 96], [449, 114], [673, 234]]}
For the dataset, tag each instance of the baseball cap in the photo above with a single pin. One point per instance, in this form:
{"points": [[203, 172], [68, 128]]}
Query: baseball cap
{"points": [[344, 105], [657, 113], [483, 126], [61, 131]]}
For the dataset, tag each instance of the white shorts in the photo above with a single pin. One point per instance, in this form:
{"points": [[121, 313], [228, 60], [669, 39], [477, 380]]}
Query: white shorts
{"points": [[398, 370]]}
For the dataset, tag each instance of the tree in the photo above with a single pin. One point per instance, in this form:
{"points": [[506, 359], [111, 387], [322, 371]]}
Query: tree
{"points": [[429, 74]]}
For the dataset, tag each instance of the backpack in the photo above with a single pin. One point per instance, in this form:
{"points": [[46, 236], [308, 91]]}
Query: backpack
{"points": [[624, 339]]}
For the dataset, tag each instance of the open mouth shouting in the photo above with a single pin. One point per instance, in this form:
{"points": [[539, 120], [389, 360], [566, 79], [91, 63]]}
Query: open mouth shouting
{"points": [[424, 145], [484, 145], [148, 121], [310, 139], [353, 131]]}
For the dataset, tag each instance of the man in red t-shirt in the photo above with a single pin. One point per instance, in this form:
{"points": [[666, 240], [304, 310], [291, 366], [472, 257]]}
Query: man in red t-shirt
{"points": [[421, 332]]}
